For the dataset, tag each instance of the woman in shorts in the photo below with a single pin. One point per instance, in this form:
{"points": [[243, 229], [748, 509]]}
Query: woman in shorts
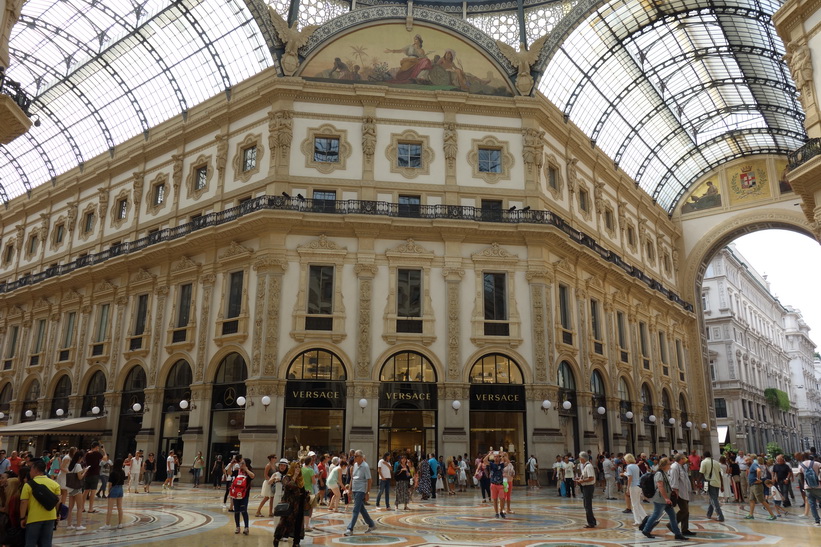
{"points": [[115, 495]]}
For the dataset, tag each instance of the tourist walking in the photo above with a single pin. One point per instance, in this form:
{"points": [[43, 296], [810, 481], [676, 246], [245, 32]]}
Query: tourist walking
{"points": [[783, 475], [756, 479], [38, 521], [336, 485], [196, 469], [74, 481], [170, 470], [743, 469], [662, 503], [240, 492], [680, 484], [383, 470], [495, 469], [508, 474], [217, 472], [711, 472], [149, 470], [609, 470], [135, 471], [424, 484], [115, 496], [268, 481], [402, 475], [811, 471], [587, 483], [360, 488], [569, 469], [105, 471], [91, 478], [633, 475]]}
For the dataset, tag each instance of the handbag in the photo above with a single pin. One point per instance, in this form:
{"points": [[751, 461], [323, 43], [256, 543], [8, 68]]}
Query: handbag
{"points": [[282, 509], [73, 480]]}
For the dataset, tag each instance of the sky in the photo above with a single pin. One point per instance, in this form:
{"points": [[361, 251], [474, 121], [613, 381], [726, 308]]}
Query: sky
{"points": [[792, 264]]}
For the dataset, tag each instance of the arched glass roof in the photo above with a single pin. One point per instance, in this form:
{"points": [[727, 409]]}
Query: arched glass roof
{"points": [[672, 89]]}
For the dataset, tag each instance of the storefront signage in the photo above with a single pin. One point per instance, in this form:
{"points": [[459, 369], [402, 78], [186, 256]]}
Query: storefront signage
{"points": [[407, 395], [497, 397], [315, 394]]}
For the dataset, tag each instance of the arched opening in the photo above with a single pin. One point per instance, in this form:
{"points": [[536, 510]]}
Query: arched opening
{"points": [[568, 406], [757, 308], [407, 404], [95, 395], [28, 410], [599, 406], [497, 408], [227, 416], [315, 401], [174, 417], [6, 396], [132, 406], [60, 401], [628, 422], [649, 417]]}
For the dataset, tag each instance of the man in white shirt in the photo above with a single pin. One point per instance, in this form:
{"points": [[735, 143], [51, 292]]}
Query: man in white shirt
{"points": [[384, 469], [170, 467], [711, 471], [569, 470], [680, 484], [741, 460], [609, 470], [134, 474], [587, 483], [532, 466]]}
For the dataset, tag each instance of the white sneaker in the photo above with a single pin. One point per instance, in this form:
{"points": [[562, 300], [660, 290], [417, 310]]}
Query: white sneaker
{"points": [[106, 527], [70, 527], [80, 527], [120, 526], [348, 532]]}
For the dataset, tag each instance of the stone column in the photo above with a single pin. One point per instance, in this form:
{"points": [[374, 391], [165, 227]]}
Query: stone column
{"points": [[260, 435], [152, 415], [540, 281], [270, 270], [453, 278], [365, 273], [204, 327]]}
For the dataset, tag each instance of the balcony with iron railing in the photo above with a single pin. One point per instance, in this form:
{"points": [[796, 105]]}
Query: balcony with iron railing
{"points": [[802, 155], [346, 207], [15, 107]]}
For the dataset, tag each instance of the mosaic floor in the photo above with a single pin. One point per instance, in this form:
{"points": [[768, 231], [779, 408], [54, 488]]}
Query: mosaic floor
{"points": [[540, 519]]}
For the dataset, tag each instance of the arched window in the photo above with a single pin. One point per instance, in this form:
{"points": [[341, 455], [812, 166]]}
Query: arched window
{"points": [[5, 399], [624, 392], [647, 402], [95, 393], [61, 395], [30, 402], [566, 379], [682, 406], [317, 364], [408, 366], [667, 408], [133, 390], [495, 369], [597, 384], [229, 382], [177, 386]]}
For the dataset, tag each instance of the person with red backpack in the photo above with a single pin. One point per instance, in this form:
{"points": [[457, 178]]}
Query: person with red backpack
{"points": [[241, 491]]}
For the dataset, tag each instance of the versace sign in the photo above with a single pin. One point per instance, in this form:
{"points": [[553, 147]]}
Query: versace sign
{"points": [[315, 394], [407, 395], [491, 397]]}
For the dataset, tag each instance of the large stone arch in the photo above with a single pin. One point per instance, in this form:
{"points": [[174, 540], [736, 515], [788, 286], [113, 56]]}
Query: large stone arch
{"points": [[162, 373], [399, 348], [216, 360], [518, 358], [125, 371], [82, 386], [302, 348], [48, 390]]}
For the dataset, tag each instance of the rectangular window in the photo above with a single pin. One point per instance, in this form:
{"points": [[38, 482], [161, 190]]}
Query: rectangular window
{"points": [[490, 160], [584, 201], [491, 209], [326, 149], [102, 324], [39, 336], [325, 200], [553, 177], [185, 306], [595, 319], [721, 408], [159, 194], [9, 254], [409, 293], [33, 244], [321, 290], [744, 407], [409, 154], [122, 209], [495, 303], [61, 232], [631, 236], [249, 158], [622, 329], [68, 332], [608, 219], [409, 206], [88, 225], [663, 347], [645, 351], [142, 312], [11, 347], [234, 294], [565, 316], [201, 177]]}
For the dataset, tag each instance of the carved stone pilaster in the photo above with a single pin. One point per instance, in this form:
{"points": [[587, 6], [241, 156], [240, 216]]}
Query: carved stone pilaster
{"points": [[117, 342], [81, 342], [270, 269], [259, 309], [365, 273], [207, 281], [539, 314], [162, 294], [453, 277]]}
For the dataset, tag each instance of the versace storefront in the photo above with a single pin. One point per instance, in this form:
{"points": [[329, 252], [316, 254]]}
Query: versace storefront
{"points": [[315, 398], [407, 405]]}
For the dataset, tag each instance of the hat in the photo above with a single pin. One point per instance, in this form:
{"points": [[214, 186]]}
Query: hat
{"points": [[311, 454], [283, 460]]}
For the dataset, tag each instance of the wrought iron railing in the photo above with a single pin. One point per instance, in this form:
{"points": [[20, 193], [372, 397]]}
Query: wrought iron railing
{"points": [[13, 90], [804, 154], [347, 207]]}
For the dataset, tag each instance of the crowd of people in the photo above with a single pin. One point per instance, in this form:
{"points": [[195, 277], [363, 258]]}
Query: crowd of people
{"points": [[292, 490]]}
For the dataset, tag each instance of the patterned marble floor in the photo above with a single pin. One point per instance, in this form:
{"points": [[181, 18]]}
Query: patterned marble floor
{"points": [[540, 519]]}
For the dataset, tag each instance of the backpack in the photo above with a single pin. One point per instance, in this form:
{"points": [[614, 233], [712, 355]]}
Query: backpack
{"points": [[43, 495], [809, 476], [239, 487], [647, 485]]}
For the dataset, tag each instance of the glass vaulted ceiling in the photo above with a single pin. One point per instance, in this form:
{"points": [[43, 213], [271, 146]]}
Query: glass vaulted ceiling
{"points": [[103, 71], [673, 88]]}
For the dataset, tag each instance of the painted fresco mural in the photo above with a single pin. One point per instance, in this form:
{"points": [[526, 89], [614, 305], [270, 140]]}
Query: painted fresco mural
{"points": [[748, 182], [784, 187], [425, 58], [706, 196]]}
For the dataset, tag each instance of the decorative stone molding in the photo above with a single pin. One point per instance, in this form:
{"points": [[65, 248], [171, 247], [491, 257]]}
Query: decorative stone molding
{"points": [[60, 225], [280, 133], [585, 201], [191, 181], [72, 216], [330, 132], [799, 60], [32, 245], [552, 163], [412, 256], [319, 251], [176, 172], [409, 136], [450, 143], [137, 183], [572, 175], [207, 282], [533, 148], [116, 222], [506, 159], [235, 251], [363, 335], [87, 228], [454, 327], [495, 259], [103, 202], [222, 157], [185, 264], [250, 141], [368, 138], [539, 327], [152, 207]]}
